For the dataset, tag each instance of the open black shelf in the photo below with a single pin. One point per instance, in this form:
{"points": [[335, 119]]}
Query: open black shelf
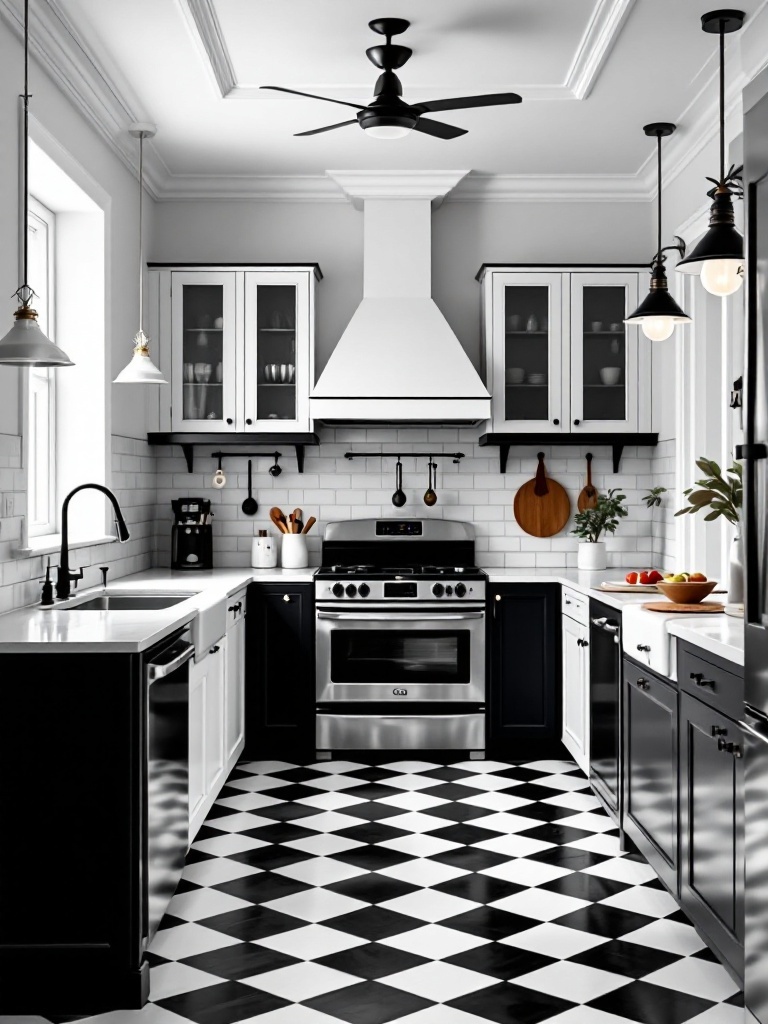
{"points": [[616, 442], [189, 441]]}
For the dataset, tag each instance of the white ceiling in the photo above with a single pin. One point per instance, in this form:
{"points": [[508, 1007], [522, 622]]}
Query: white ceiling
{"points": [[591, 73]]}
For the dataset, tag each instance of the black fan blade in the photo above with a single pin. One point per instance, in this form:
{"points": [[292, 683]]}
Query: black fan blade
{"points": [[310, 95], [328, 128], [462, 102], [438, 129]]}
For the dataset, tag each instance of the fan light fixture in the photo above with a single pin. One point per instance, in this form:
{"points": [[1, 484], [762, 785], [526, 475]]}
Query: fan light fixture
{"points": [[719, 256], [141, 369], [25, 344], [658, 313]]}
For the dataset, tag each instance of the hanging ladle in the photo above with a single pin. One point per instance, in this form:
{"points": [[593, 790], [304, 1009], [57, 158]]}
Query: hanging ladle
{"points": [[430, 498], [398, 498], [275, 470], [250, 506]]}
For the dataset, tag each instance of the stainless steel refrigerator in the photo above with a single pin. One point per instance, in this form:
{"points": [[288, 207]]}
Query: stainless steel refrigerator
{"points": [[754, 454]]}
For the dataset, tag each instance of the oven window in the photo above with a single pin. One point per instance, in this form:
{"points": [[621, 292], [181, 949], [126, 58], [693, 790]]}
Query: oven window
{"points": [[414, 656]]}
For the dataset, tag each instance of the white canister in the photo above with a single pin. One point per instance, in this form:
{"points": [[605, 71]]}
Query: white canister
{"points": [[294, 548], [264, 552]]}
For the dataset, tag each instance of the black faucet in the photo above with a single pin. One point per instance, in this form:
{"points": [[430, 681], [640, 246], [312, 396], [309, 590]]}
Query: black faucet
{"points": [[65, 575]]}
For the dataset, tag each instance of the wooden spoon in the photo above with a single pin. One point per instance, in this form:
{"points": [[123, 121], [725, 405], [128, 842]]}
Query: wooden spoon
{"points": [[277, 517], [588, 494], [309, 524]]}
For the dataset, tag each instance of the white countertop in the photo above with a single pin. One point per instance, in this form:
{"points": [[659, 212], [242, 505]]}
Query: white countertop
{"points": [[579, 579], [719, 634]]}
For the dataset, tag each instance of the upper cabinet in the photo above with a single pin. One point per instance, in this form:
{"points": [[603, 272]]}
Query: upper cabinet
{"points": [[558, 356], [238, 346]]}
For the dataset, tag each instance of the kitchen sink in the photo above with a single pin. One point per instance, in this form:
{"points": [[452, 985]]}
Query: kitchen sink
{"points": [[128, 602]]}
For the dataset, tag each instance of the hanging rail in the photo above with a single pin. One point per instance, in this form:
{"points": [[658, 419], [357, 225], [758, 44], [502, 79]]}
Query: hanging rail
{"points": [[454, 456]]}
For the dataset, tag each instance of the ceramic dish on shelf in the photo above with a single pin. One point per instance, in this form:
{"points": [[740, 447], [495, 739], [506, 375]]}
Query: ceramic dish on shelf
{"points": [[514, 374], [537, 378]]}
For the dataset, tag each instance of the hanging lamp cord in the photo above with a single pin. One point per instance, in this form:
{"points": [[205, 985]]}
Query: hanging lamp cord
{"points": [[24, 293], [722, 102], [658, 194], [141, 223]]}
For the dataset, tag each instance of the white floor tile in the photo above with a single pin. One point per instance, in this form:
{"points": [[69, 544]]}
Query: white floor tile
{"points": [[332, 783], [411, 781], [506, 822], [490, 783], [202, 903], [540, 904], [566, 783], [481, 767], [247, 801], [334, 767], [592, 822], [496, 801], [441, 1015], [419, 845], [331, 801], [256, 783], [323, 844], [642, 900], [441, 942], [671, 936], [721, 1014], [171, 979], [697, 978], [316, 905], [620, 869], [412, 800], [295, 1014], [212, 872], [514, 845], [301, 981], [422, 872], [574, 801], [410, 766], [148, 1014], [608, 845], [320, 871], [417, 821], [574, 982], [526, 872], [554, 940], [241, 822], [551, 766], [429, 905], [311, 942], [185, 940], [265, 767], [439, 981], [589, 1015], [331, 821], [223, 846]]}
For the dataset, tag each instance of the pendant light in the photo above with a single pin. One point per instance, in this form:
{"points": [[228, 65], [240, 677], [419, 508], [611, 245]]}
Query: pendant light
{"points": [[658, 313], [719, 256], [25, 344], [141, 369]]}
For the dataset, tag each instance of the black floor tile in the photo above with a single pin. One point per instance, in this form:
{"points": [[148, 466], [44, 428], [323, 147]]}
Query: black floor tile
{"points": [[546, 812], [372, 774], [470, 858], [250, 923], [502, 962], [489, 923], [298, 775], [368, 1003], [455, 791], [281, 832], [373, 857], [518, 773], [226, 1003], [601, 920], [285, 812], [372, 961], [206, 832], [372, 811], [291, 791], [468, 835], [372, 790], [197, 856], [236, 962], [373, 888], [261, 888], [568, 857], [186, 886], [736, 1000], [555, 832], [447, 774], [269, 857], [705, 954], [651, 1004], [585, 887], [680, 916], [374, 923], [480, 888], [530, 791], [168, 921], [372, 832], [631, 959], [459, 812], [511, 1004]]}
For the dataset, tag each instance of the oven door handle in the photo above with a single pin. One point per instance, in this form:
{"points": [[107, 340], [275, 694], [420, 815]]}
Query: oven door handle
{"points": [[414, 616]]}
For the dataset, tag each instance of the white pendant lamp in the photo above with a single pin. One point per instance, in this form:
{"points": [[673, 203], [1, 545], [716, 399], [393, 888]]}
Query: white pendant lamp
{"points": [[25, 344], [141, 369]]}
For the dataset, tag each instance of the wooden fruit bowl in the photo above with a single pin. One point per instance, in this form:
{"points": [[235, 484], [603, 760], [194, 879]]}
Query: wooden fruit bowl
{"points": [[686, 593]]}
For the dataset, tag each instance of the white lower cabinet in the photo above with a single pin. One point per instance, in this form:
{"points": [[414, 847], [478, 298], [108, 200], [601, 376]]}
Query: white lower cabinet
{"points": [[234, 688], [576, 685]]}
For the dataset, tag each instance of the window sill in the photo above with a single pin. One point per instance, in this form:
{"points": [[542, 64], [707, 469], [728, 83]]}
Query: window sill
{"points": [[52, 542]]}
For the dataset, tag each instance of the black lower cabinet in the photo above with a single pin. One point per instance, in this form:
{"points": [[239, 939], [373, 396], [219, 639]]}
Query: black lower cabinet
{"points": [[523, 700], [651, 769], [280, 671], [712, 828]]}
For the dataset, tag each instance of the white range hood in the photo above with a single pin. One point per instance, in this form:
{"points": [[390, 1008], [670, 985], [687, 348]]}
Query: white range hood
{"points": [[398, 360]]}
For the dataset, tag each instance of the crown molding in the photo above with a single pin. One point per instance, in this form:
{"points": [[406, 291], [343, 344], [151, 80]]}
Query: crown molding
{"points": [[207, 28], [361, 185], [602, 32], [551, 188], [272, 188]]}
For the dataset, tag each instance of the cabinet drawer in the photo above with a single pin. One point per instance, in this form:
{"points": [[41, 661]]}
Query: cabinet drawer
{"points": [[709, 681], [575, 605]]}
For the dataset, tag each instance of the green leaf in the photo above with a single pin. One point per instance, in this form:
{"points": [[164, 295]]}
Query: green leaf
{"points": [[712, 515]]}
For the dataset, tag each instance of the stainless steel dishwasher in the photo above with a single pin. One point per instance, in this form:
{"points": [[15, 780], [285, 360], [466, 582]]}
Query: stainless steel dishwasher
{"points": [[166, 677], [605, 706]]}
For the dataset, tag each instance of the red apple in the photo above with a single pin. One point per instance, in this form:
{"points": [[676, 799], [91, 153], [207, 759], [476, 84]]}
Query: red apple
{"points": [[631, 577], [644, 577], [697, 577], [654, 576]]}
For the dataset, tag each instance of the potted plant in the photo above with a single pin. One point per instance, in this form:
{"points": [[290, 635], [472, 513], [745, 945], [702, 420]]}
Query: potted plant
{"points": [[653, 501], [721, 495], [590, 524]]}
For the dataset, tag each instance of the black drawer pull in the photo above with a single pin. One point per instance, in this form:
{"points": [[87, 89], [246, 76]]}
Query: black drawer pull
{"points": [[644, 647], [718, 730], [643, 684], [698, 678], [729, 748]]}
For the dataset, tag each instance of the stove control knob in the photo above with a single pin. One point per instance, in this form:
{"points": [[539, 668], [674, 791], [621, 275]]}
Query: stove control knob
{"points": [[449, 590], [460, 589], [438, 589], [351, 590], [338, 590], [363, 590]]}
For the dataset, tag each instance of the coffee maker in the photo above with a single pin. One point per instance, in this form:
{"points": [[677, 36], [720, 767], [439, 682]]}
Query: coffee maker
{"points": [[191, 534]]}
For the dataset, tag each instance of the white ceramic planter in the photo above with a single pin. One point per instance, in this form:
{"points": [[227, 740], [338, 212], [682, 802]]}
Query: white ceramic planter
{"points": [[592, 555], [294, 554]]}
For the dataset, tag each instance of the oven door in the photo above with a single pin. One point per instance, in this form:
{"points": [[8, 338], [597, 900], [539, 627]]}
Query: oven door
{"points": [[382, 652]]}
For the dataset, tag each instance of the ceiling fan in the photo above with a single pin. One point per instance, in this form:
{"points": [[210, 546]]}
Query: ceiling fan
{"points": [[388, 116]]}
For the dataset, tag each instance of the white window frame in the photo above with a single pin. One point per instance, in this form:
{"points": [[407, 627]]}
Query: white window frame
{"points": [[41, 451]]}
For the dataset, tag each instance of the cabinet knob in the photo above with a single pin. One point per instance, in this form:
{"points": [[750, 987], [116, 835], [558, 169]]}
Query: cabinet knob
{"points": [[230, 421], [556, 422], [643, 684], [585, 643], [248, 422], [497, 596], [729, 748], [576, 423], [718, 730], [644, 647], [214, 650], [698, 678], [286, 597]]}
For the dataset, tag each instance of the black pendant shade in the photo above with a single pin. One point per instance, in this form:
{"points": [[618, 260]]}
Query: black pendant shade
{"points": [[658, 302]]}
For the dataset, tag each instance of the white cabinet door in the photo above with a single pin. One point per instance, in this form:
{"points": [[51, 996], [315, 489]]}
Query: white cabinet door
{"points": [[234, 703], [214, 715], [529, 359], [206, 733], [197, 692], [576, 691], [610, 360]]}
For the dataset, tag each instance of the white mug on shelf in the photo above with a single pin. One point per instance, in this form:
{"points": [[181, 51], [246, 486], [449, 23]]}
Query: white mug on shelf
{"points": [[294, 554]]}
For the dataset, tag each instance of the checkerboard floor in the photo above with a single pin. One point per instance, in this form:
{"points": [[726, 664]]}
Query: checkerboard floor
{"points": [[423, 893]]}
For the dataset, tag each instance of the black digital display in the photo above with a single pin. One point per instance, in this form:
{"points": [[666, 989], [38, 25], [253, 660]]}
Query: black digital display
{"points": [[407, 589], [398, 528]]}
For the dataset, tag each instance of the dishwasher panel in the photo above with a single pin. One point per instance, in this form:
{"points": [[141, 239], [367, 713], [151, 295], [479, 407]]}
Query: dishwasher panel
{"points": [[605, 705]]}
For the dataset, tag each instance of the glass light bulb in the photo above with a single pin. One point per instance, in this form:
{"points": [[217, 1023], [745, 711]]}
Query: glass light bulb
{"points": [[387, 131], [658, 328], [722, 277]]}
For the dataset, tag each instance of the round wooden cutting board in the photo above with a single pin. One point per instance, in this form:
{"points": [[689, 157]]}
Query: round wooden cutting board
{"points": [[674, 606], [542, 505]]}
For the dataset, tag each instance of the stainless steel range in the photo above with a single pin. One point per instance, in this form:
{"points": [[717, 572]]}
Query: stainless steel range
{"points": [[400, 631]]}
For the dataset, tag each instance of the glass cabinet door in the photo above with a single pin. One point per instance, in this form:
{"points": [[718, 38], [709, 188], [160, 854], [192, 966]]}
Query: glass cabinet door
{"points": [[528, 352], [204, 371], [604, 352]]}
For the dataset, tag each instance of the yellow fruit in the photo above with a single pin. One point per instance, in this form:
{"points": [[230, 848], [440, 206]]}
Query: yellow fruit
{"points": [[679, 577]]}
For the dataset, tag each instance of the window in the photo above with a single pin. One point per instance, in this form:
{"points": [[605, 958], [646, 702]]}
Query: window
{"points": [[41, 417]]}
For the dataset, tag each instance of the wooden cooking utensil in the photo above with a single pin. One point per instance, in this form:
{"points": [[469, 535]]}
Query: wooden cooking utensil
{"points": [[542, 506], [588, 494], [277, 517], [297, 518], [309, 524]]}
